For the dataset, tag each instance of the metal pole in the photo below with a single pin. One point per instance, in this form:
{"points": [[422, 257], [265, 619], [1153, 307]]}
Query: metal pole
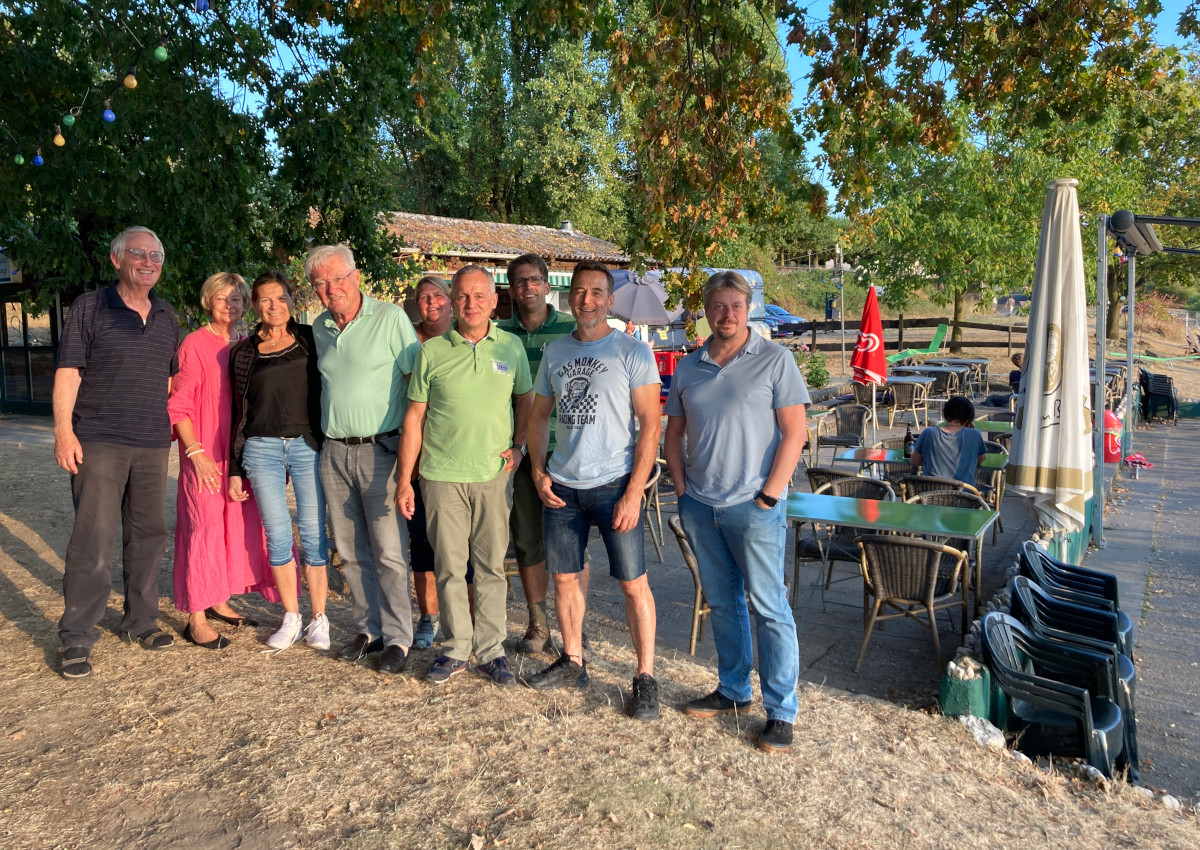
{"points": [[841, 285], [1099, 384], [1130, 413]]}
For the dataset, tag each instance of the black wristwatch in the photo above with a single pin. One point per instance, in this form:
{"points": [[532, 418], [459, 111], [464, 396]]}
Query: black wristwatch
{"points": [[770, 501]]}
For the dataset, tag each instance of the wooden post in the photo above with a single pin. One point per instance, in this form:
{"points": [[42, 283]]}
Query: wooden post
{"points": [[1010, 342], [900, 338]]}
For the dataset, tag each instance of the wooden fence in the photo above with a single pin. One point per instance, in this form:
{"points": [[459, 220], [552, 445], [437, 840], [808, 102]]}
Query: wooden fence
{"points": [[905, 336]]}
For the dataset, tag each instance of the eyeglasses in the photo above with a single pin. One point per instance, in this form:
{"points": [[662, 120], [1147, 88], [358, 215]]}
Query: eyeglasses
{"points": [[322, 284], [528, 281], [154, 256]]}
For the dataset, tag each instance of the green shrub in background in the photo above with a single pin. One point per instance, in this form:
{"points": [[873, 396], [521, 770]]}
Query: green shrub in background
{"points": [[812, 366]]}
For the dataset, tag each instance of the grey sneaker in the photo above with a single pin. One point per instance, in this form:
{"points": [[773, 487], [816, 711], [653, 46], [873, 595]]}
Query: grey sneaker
{"points": [[644, 702], [775, 737], [562, 673], [536, 639]]}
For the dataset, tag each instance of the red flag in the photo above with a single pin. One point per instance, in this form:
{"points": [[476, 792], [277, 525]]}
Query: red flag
{"points": [[868, 362]]}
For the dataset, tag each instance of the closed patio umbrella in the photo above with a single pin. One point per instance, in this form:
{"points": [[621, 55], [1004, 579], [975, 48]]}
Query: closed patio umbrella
{"points": [[1050, 464], [868, 361]]}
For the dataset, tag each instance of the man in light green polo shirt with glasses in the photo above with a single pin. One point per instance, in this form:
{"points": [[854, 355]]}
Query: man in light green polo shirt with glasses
{"points": [[469, 402]]}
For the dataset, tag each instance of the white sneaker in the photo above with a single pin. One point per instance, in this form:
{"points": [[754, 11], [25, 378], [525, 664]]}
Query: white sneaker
{"points": [[288, 633], [316, 633]]}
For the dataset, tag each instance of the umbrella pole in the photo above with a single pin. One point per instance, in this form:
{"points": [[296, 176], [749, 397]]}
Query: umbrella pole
{"points": [[874, 438]]}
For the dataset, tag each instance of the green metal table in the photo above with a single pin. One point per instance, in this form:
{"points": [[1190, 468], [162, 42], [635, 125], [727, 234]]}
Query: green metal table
{"points": [[873, 515], [865, 457]]}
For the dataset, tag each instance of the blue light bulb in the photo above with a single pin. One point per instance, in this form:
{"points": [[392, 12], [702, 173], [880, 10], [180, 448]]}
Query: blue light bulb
{"points": [[110, 116], [37, 160]]}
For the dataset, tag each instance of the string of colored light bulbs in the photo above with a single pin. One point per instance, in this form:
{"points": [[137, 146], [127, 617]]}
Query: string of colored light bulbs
{"points": [[130, 82]]}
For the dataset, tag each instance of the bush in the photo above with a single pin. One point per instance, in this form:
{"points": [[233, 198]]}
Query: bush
{"points": [[812, 366]]}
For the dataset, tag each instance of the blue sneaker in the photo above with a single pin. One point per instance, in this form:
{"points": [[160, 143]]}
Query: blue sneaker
{"points": [[498, 671], [443, 668], [426, 629]]}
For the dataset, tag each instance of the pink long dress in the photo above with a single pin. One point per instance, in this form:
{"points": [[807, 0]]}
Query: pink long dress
{"points": [[220, 548]]}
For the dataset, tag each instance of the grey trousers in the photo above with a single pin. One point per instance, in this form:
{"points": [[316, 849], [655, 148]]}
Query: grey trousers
{"points": [[470, 520], [371, 536], [114, 484]]}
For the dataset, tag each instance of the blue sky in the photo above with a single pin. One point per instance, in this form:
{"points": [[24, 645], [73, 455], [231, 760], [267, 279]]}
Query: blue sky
{"points": [[798, 66]]}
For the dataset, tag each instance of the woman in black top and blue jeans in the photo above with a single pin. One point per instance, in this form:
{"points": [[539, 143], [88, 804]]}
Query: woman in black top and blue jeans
{"points": [[277, 434]]}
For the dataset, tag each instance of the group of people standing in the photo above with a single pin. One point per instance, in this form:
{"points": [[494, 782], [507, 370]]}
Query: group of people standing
{"points": [[450, 436]]}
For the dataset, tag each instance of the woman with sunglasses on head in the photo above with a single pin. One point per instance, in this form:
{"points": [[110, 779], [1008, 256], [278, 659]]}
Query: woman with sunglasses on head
{"points": [[219, 550], [277, 436]]}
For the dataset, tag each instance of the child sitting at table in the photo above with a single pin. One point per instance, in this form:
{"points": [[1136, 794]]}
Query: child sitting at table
{"points": [[953, 449]]}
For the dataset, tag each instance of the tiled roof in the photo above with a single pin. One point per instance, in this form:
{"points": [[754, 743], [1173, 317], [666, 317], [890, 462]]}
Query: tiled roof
{"points": [[463, 236]]}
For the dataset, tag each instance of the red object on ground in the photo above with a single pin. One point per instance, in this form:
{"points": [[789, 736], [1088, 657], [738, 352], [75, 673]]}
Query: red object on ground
{"points": [[666, 361], [868, 361], [1112, 437]]}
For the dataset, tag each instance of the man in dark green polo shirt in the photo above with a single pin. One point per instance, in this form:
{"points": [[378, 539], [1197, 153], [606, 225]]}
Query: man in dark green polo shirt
{"points": [[469, 403], [536, 324]]}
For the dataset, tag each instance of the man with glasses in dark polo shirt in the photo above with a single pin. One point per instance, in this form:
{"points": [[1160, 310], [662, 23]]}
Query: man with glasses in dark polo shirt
{"points": [[112, 433]]}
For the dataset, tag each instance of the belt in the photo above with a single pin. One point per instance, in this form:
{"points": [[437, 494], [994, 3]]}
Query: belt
{"points": [[366, 441]]}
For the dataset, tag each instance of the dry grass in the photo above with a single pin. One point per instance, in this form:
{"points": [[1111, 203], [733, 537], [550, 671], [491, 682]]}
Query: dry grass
{"points": [[242, 749]]}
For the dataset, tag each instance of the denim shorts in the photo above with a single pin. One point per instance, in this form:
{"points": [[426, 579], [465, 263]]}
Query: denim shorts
{"points": [[268, 462], [567, 529]]}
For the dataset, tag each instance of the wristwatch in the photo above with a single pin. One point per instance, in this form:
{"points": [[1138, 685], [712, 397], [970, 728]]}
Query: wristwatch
{"points": [[521, 448], [769, 501]]}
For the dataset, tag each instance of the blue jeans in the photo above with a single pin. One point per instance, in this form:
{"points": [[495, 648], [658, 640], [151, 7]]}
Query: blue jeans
{"points": [[741, 550], [567, 528], [268, 461]]}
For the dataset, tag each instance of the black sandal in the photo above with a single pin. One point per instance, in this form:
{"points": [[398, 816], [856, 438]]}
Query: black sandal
{"points": [[78, 667], [154, 639], [231, 621]]}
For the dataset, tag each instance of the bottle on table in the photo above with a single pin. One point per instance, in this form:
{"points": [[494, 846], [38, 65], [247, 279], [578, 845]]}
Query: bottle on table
{"points": [[909, 441]]}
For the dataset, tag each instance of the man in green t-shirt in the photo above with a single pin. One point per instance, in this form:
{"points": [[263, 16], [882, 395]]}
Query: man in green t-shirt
{"points": [[469, 401], [536, 324]]}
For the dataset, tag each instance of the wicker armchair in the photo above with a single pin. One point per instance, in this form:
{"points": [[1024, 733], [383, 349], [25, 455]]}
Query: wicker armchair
{"points": [[893, 472], [914, 484], [954, 499], [699, 604], [844, 428], [904, 574], [819, 476], [990, 485], [909, 398], [649, 501], [836, 543]]}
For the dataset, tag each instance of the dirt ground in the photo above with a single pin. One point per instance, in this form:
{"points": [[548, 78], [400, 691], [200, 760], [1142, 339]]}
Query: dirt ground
{"points": [[240, 749]]}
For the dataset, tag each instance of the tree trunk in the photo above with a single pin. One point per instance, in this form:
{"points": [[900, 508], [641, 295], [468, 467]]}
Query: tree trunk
{"points": [[1116, 287], [956, 332]]}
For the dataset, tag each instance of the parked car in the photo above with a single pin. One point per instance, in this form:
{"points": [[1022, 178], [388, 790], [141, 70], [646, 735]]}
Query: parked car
{"points": [[777, 317]]}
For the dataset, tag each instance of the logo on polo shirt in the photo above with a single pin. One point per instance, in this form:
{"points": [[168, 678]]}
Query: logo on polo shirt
{"points": [[500, 367]]}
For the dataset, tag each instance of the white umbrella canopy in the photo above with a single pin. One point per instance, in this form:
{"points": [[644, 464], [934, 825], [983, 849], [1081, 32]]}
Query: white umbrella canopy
{"points": [[1051, 462]]}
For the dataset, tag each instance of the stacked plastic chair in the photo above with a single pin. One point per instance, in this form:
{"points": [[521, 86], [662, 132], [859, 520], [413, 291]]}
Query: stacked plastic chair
{"points": [[1061, 696], [1055, 620]]}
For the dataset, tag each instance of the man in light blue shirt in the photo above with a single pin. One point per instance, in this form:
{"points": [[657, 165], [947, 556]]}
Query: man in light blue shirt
{"points": [[604, 386], [739, 401], [365, 352]]}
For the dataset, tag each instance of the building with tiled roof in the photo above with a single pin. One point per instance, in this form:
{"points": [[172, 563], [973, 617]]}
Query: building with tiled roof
{"points": [[454, 242]]}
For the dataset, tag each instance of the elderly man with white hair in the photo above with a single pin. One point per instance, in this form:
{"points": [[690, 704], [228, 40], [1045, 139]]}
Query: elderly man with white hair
{"points": [[365, 352]]}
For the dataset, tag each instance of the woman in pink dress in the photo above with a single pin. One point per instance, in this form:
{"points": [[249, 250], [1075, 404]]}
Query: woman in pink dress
{"points": [[219, 546]]}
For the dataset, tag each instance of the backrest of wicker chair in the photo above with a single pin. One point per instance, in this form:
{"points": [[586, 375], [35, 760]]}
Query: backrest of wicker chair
{"points": [[862, 392], [950, 499], [858, 487], [914, 484], [994, 448], [904, 394], [851, 419], [891, 443], [819, 476], [903, 567]]}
